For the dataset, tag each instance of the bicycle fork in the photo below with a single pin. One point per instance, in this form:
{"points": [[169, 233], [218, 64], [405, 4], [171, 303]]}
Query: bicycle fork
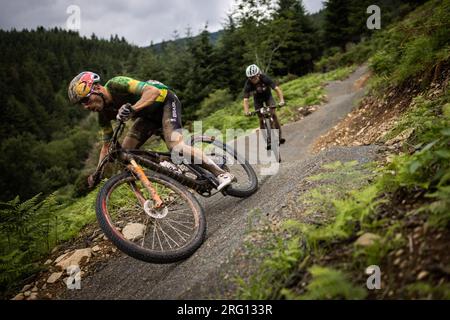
{"points": [[139, 172]]}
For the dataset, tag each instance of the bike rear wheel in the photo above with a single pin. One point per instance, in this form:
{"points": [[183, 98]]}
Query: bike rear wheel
{"points": [[229, 160], [168, 234], [272, 137]]}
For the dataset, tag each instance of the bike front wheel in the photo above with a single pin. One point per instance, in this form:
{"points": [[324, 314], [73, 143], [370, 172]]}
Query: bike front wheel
{"points": [[169, 233]]}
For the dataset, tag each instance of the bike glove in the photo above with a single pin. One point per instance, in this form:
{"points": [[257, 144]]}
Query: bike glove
{"points": [[125, 112]]}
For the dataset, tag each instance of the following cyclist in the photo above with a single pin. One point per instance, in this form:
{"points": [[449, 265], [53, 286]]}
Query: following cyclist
{"points": [[260, 86], [153, 106]]}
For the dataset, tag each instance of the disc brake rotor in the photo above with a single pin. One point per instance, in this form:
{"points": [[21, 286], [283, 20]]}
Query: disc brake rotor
{"points": [[155, 213]]}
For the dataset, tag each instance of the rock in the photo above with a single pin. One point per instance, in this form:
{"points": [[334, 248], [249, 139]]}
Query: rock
{"points": [[96, 248], [133, 231], [44, 286], [367, 239], [26, 287], [76, 257], [399, 253], [54, 277], [422, 275], [48, 262], [33, 296], [20, 296], [60, 258], [35, 289], [27, 293], [404, 264], [401, 137], [397, 261]]}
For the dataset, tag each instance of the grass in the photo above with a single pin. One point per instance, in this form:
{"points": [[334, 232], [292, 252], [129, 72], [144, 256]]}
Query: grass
{"points": [[327, 283], [409, 52], [32, 228], [347, 202], [418, 45], [64, 222], [295, 243], [304, 91]]}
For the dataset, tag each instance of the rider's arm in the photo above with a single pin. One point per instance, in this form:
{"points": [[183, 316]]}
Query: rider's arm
{"points": [[107, 133], [279, 94], [247, 91], [268, 81], [246, 105], [148, 93], [103, 151], [149, 96]]}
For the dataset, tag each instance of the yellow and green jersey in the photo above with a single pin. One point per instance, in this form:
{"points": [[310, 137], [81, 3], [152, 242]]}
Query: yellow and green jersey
{"points": [[128, 90]]}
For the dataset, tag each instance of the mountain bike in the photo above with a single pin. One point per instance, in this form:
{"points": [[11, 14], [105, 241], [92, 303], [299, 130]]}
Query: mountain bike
{"points": [[269, 134], [149, 211]]}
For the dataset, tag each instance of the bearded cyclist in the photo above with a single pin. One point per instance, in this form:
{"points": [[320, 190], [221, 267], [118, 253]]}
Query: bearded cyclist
{"points": [[260, 86], [151, 104]]}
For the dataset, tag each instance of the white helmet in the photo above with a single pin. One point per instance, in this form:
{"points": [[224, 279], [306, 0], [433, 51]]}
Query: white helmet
{"points": [[252, 70]]}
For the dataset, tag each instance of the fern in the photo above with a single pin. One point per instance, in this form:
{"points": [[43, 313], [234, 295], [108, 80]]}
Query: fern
{"points": [[328, 283]]}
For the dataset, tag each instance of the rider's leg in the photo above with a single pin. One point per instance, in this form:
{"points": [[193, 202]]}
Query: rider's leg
{"points": [[175, 142], [140, 132], [276, 123], [173, 137]]}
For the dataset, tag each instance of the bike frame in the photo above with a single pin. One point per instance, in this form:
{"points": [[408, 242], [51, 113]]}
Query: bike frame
{"points": [[268, 120], [135, 159]]}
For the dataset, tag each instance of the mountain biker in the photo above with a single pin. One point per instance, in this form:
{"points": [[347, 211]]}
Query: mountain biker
{"points": [[260, 85], [151, 104]]}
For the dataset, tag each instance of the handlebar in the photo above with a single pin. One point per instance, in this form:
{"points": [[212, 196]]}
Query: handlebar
{"points": [[263, 109]]}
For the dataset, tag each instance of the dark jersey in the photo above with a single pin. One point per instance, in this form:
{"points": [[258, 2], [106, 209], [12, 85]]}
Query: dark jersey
{"points": [[262, 90]]}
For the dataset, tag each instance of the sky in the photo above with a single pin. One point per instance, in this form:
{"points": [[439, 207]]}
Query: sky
{"points": [[138, 21]]}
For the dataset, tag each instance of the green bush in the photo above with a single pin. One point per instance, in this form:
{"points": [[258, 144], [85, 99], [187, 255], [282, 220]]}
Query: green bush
{"points": [[328, 283], [215, 101]]}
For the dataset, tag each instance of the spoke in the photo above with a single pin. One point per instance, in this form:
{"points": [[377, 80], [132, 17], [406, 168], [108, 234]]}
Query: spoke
{"points": [[178, 231], [170, 203], [145, 232], [168, 236], [159, 239], [181, 223], [153, 242], [178, 211], [164, 235]]}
